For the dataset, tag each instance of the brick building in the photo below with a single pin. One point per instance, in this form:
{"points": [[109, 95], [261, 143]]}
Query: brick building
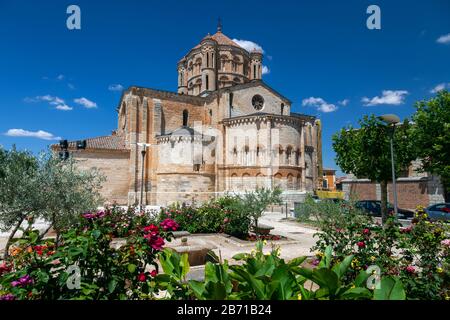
{"points": [[224, 130], [413, 188]]}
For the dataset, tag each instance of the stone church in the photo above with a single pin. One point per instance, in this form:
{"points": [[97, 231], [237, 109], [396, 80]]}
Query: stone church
{"points": [[224, 130]]}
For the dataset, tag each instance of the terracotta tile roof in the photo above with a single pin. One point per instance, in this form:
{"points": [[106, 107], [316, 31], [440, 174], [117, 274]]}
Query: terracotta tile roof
{"points": [[221, 40], [113, 142]]}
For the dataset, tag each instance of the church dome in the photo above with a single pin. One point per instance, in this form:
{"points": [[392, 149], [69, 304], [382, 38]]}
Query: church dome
{"points": [[217, 62]]}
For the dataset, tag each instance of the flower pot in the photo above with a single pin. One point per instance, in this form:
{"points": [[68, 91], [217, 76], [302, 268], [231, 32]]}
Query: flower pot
{"points": [[262, 229]]}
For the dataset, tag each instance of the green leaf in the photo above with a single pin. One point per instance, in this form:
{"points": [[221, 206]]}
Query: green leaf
{"points": [[361, 278], [96, 233], [357, 293], [184, 264], [341, 268], [240, 256], [390, 289], [326, 278], [198, 288], [296, 262], [131, 268], [112, 285], [326, 260]]}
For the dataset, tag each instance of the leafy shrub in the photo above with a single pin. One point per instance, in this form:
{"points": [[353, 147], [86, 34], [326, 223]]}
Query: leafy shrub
{"points": [[267, 276], [416, 254], [40, 269], [226, 214]]}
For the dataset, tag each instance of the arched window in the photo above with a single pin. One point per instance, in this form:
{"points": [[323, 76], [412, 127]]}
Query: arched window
{"points": [[185, 117], [282, 108], [288, 154], [254, 71], [207, 82], [290, 182], [207, 59]]}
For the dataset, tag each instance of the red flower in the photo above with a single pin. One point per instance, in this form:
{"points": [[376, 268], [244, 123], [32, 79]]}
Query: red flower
{"points": [[366, 231], [153, 273], [4, 268], [142, 277], [151, 228], [157, 243], [361, 244]]}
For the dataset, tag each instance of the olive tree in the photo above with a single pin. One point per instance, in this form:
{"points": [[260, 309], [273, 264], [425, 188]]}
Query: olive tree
{"points": [[19, 198], [43, 187], [255, 202], [365, 152]]}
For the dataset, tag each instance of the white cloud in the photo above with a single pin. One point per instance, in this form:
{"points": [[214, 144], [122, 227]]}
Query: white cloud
{"points": [[40, 134], [86, 103], [320, 104], [52, 100], [249, 45], [60, 77], [115, 87], [344, 102], [63, 107], [265, 70], [392, 97], [439, 87], [444, 39], [71, 86]]}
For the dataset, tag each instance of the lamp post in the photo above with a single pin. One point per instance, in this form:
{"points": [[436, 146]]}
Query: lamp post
{"points": [[143, 153], [392, 119]]}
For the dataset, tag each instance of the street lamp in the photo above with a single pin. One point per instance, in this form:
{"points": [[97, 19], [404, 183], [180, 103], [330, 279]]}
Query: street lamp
{"points": [[392, 119], [143, 152]]}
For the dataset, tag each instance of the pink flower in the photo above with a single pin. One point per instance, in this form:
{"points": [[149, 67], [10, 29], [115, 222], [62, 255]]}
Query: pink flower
{"points": [[89, 215], [226, 220], [361, 244], [406, 229], [410, 269], [169, 224], [7, 297], [157, 243], [446, 242], [23, 281]]}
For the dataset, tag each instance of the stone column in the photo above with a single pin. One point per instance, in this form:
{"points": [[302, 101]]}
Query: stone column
{"points": [[302, 157]]}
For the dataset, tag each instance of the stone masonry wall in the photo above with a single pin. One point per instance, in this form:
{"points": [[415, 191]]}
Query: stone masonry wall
{"points": [[114, 166]]}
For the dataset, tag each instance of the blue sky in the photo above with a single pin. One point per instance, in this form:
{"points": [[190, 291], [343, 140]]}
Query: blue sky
{"points": [[319, 53]]}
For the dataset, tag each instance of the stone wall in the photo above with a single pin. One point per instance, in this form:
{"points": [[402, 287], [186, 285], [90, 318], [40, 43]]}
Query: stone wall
{"points": [[187, 188], [114, 165]]}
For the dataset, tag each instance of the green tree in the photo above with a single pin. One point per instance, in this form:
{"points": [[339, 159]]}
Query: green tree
{"points": [[255, 202], [43, 187], [18, 197], [66, 191], [431, 135], [365, 152]]}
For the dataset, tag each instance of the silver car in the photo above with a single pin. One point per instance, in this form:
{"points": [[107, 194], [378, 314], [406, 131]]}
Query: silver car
{"points": [[440, 211]]}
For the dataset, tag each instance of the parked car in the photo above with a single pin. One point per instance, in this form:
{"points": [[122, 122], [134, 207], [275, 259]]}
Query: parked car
{"points": [[336, 200], [440, 211], [373, 208]]}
